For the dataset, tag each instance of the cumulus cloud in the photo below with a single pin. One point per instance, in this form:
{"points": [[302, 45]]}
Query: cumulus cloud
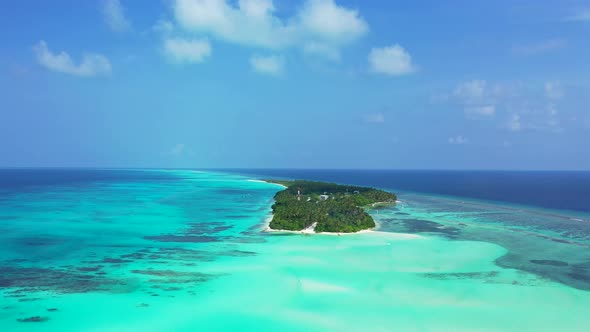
{"points": [[458, 140], [187, 50], [392, 60], [477, 98], [114, 15], [534, 116], [319, 27], [91, 64], [553, 90], [540, 47], [325, 20], [375, 118], [518, 106], [514, 123], [270, 65]]}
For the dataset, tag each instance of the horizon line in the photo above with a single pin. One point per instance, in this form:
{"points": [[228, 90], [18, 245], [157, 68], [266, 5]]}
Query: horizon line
{"points": [[291, 169]]}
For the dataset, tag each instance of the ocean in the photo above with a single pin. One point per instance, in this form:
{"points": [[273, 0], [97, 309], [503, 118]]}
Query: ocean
{"points": [[547, 189], [183, 250]]}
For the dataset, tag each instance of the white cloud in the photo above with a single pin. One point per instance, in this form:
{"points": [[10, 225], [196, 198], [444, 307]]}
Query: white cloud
{"points": [[553, 90], [472, 90], [549, 121], [91, 64], [519, 107], [514, 123], [458, 140], [325, 20], [392, 60], [487, 110], [255, 23], [580, 15], [187, 50], [534, 116], [541, 47], [375, 118], [270, 65], [114, 15], [477, 98]]}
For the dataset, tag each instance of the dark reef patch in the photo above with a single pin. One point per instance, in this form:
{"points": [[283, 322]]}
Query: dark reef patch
{"points": [[573, 274], [182, 254], [89, 268], [561, 241], [461, 275], [585, 277], [38, 241], [28, 280], [134, 256], [207, 228], [34, 319], [548, 262], [174, 277], [184, 238], [110, 260], [29, 299], [164, 273], [18, 260], [238, 253], [425, 226]]}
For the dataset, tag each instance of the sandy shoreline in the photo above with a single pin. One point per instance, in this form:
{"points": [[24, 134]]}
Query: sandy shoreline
{"points": [[306, 231], [262, 181], [266, 228]]}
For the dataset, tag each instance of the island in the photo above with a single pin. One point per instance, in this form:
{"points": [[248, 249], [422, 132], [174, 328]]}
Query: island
{"points": [[325, 207]]}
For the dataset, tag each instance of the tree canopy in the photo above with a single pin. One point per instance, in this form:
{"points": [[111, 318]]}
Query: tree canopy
{"points": [[334, 207]]}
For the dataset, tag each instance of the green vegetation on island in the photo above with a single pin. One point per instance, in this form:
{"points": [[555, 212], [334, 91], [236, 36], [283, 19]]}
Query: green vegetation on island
{"points": [[332, 207]]}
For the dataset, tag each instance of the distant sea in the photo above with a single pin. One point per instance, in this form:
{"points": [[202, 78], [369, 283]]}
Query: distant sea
{"points": [[563, 190], [185, 250]]}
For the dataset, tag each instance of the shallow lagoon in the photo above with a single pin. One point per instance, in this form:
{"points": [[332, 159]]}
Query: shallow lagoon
{"points": [[185, 252]]}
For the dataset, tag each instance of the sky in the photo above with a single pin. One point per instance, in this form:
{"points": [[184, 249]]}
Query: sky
{"points": [[295, 84]]}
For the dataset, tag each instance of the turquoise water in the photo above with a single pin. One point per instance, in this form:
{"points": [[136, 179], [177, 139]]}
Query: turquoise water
{"points": [[187, 253]]}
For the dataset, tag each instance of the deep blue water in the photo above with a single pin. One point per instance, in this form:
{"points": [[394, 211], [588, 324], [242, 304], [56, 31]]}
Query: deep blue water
{"points": [[553, 190]]}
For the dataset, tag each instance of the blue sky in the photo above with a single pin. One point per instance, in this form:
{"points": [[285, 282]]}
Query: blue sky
{"points": [[301, 84]]}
